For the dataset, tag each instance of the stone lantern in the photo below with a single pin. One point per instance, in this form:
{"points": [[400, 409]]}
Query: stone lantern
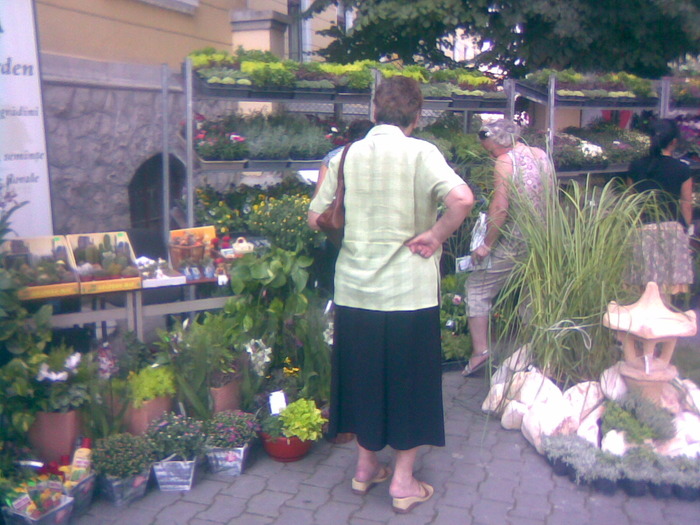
{"points": [[648, 331]]}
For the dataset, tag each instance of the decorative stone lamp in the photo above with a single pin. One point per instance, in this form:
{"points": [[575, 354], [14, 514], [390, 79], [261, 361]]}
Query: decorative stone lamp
{"points": [[648, 331]]}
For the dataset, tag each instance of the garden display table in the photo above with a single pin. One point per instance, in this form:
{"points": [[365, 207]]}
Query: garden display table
{"points": [[191, 303], [134, 310]]}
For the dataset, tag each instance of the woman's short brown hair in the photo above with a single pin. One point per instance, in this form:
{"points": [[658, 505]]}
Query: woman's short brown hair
{"points": [[398, 101]]}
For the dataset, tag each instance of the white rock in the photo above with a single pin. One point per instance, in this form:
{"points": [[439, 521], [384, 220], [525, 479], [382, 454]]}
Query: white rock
{"points": [[543, 419], [512, 386], [589, 429], [687, 427], [692, 395], [513, 414], [614, 442], [519, 360], [537, 388], [673, 447], [494, 400], [584, 398], [691, 451], [612, 384], [501, 375]]}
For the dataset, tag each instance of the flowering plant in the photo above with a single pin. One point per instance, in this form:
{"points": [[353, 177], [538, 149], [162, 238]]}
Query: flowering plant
{"points": [[283, 221], [122, 455], [63, 378], [259, 354], [175, 434], [231, 429]]}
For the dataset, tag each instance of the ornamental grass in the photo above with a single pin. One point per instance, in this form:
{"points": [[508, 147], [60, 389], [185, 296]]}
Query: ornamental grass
{"points": [[578, 252]]}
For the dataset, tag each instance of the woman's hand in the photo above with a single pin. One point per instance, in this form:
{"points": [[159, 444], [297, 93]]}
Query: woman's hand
{"points": [[481, 253], [424, 244]]}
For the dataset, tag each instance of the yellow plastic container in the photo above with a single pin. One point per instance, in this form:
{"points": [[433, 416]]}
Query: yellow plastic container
{"points": [[31, 250]]}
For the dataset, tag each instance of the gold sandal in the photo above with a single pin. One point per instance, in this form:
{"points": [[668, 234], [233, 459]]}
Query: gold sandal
{"points": [[404, 505], [362, 487]]}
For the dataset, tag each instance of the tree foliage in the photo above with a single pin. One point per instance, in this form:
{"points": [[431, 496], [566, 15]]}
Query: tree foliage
{"points": [[638, 36]]}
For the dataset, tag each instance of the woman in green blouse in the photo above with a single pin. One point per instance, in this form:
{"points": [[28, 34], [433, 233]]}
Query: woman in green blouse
{"points": [[386, 381]]}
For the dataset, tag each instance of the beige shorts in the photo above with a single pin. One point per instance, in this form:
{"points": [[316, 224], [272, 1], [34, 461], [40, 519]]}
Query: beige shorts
{"points": [[482, 286]]}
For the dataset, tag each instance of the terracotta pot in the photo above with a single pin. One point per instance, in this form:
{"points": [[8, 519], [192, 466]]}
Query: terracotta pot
{"points": [[138, 419], [285, 449], [227, 397], [53, 434]]}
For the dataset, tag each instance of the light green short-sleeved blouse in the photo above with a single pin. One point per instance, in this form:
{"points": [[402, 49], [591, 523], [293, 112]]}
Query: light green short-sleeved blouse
{"points": [[393, 185]]}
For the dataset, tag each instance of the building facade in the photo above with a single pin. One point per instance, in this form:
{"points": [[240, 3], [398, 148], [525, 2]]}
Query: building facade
{"points": [[106, 68]]}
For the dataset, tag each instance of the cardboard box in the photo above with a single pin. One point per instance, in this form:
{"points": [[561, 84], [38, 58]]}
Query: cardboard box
{"points": [[121, 248], [170, 278], [32, 250], [196, 252]]}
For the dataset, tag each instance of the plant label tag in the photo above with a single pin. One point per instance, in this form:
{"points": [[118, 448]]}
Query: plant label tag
{"points": [[277, 402]]}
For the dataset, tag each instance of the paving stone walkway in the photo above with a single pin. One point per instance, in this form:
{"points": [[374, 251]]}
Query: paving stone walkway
{"points": [[485, 475]]}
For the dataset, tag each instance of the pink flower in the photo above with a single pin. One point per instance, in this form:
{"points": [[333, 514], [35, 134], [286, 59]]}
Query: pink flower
{"points": [[457, 300]]}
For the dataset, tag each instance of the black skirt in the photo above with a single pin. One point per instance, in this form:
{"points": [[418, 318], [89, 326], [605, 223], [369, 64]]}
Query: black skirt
{"points": [[386, 384]]}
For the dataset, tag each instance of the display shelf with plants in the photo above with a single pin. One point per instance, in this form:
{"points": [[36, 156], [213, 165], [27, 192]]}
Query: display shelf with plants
{"points": [[253, 75], [574, 89], [43, 266], [685, 92], [238, 142], [105, 262]]}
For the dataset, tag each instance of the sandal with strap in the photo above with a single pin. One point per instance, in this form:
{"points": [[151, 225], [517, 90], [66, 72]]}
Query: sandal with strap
{"points": [[476, 363], [362, 487]]}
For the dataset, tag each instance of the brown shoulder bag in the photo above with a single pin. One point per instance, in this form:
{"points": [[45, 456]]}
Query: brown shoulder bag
{"points": [[332, 221]]}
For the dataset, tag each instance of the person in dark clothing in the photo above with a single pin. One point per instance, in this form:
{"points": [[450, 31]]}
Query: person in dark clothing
{"points": [[662, 253]]}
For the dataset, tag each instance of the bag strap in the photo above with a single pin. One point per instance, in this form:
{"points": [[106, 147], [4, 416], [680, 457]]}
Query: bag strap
{"points": [[341, 168]]}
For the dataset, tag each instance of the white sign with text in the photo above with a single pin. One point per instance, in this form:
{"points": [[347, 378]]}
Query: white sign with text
{"points": [[23, 164]]}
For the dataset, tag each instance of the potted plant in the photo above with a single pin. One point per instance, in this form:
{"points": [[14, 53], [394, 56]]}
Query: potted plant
{"points": [[637, 470], [559, 451], [123, 462], [288, 436], [206, 364], [605, 473], [60, 389], [665, 473], [686, 484], [151, 392], [179, 443], [229, 435]]}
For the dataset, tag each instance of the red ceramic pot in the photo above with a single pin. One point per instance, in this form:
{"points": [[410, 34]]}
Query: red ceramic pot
{"points": [[227, 397], [285, 449], [53, 434], [138, 419]]}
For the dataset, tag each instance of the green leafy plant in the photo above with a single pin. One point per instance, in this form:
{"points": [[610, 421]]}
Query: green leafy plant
{"points": [[638, 464], [175, 434], [639, 418], [302, 419], [149, 383], [122, 455], [570, 274], [231, 429], [202, 355]]}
